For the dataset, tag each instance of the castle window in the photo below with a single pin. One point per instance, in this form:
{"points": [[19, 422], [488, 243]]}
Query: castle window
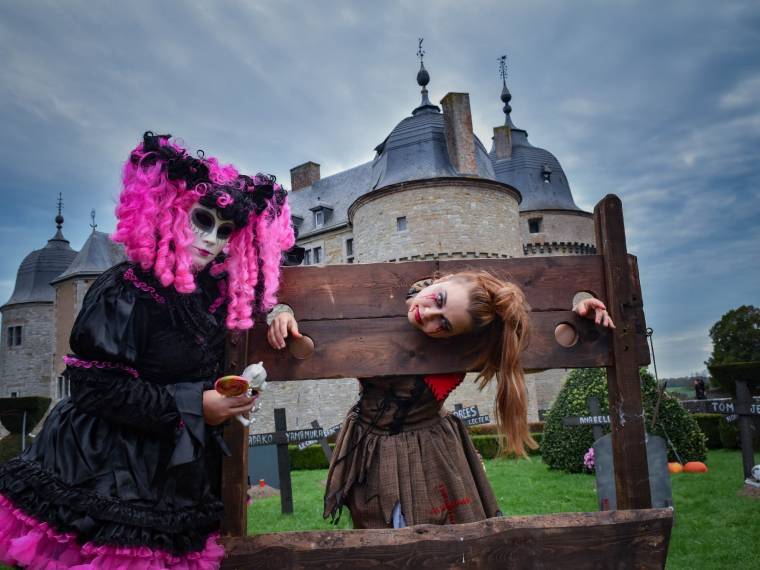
{"points": [[401, 223], [297, 221], [317, 255], [546, 174], [14, 336], [307, 257], [14, 394], [64, 387], [319, 218], [534, 225], [349, 250]]}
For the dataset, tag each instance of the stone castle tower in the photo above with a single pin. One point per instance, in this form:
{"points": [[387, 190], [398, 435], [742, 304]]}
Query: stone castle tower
{"points": [[37, 319], [432, 191]]}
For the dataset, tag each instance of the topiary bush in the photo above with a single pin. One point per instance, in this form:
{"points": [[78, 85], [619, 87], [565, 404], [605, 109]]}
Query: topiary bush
{"points": [[11, 412], [709, 424], [563, 446]]}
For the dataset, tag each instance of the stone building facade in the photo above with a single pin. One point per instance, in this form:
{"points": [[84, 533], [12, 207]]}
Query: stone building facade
{"points": [[432, 191]]}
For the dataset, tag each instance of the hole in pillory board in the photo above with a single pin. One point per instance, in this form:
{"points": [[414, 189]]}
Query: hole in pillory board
{"points": [[301, 348], [566, 335]]}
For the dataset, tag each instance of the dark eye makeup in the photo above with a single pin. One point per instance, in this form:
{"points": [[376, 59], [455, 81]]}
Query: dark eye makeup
{"points": [[203, 220], [225, 231]]}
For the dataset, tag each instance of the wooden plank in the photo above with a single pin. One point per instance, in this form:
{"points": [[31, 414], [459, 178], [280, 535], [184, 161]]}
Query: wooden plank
{"points": [[379, 289], [283, 463], [628, 443], [391, 346], [235, 468], [619, 539]]}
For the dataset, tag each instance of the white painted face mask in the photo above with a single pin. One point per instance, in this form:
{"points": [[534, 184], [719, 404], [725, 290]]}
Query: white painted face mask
{"points": [[211, 235]]}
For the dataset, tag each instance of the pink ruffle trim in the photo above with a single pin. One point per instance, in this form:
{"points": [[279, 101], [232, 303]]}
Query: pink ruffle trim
{"points": [[27, 542], [129, 275], [79, 363]]}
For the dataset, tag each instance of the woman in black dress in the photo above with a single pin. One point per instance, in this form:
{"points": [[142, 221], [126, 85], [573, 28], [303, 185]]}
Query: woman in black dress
{"points": [[126, 471]]}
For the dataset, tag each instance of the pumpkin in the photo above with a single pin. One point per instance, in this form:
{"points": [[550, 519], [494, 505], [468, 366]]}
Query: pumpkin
{"points": [[675, 467], [695, 467]]}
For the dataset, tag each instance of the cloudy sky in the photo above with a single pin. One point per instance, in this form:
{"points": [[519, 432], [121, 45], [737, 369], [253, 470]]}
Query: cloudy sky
{"points": [[654, 101]]}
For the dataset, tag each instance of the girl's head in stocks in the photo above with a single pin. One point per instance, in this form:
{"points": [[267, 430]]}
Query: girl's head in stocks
{"points": [[179, 213], [496, 314]]}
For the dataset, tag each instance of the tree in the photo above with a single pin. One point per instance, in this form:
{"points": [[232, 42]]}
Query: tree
{"points": [[736, 338]]}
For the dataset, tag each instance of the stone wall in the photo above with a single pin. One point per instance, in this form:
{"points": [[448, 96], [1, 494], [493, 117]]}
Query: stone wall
{"points": [[458, 217], [68, 302], [333, 245], [562, 233], [25, 369]]}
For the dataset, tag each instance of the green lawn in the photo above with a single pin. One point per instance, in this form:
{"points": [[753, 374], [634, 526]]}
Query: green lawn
{"points": [[714, 528]]}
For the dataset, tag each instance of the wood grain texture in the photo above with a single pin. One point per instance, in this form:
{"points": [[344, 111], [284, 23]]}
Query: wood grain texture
{"points": [[235, 468], [611, 539], [623, 384], [379, 289]]}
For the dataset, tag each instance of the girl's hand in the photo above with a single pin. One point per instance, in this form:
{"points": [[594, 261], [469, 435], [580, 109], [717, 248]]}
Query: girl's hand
{"points": [[218, 408], [284, 324], [594, 309]]}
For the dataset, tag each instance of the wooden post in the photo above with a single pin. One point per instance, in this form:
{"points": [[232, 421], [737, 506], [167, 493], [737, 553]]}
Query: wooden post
{"points": [[235, 468], [283, 463], [626, 416], [743, 404]]}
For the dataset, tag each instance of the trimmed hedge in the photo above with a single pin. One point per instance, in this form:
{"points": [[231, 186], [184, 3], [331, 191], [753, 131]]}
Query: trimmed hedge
{"points": [[12, 417], [710, 426], [10, 447], [313, 458], [563, 446]]}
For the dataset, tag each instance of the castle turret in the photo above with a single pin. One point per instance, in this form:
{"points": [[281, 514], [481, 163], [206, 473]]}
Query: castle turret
{"points": [[550, 221], [27, 319]]}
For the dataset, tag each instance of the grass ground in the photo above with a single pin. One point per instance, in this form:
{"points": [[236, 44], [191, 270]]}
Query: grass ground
{"points": [[714, 528]]}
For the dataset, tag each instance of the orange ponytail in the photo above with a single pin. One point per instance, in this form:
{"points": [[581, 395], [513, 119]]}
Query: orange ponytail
{"points": [[502, 328]]}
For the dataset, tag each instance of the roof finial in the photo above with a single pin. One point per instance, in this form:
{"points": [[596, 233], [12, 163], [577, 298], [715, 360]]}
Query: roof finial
{"points": [[423, 78], [93, 225], [506, 96], [59, 217]]}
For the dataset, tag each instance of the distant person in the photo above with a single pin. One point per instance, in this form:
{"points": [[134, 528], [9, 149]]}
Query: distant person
{"points": [[699, 387], [126, 472]]}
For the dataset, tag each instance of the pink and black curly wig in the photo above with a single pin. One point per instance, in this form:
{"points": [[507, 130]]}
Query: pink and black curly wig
{"points": [[162, 182]]}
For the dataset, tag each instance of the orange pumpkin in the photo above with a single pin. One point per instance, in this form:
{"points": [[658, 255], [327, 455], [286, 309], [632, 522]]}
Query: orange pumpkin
{"points": [[695, 467], [675, 467]]}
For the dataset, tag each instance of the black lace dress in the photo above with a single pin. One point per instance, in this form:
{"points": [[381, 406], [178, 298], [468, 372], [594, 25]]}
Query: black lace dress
{"points": [[127, 459]]}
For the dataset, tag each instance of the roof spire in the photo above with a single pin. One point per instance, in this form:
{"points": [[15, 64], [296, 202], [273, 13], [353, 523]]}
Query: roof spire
{"points": [[506, 96], [93, 225], [423, 78], [59, 222]]}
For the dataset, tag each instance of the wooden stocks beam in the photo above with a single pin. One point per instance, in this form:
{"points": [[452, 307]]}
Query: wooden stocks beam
{"points": [[626, 414], [235, 467]]}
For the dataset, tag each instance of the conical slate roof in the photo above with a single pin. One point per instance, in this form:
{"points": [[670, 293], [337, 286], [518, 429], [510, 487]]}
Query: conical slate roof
{"points": [[39, 268], [98, 254], [416, 148], [536, 173]]}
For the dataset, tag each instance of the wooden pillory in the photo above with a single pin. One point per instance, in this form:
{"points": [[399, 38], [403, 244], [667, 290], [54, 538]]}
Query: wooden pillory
{"points": [[356, 316]]}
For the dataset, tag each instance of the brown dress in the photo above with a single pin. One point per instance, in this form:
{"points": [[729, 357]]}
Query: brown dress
{"points": [[398, 446]]}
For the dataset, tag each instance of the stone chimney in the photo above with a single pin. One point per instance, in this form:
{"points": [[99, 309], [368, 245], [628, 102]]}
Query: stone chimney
{"points": [[502, 142], [459, 136], [304, 175]]}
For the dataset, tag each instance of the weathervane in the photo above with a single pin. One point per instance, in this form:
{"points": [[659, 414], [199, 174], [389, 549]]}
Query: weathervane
{"points": [[93, 225], [503, 68], [59, 217], [420, 51]]}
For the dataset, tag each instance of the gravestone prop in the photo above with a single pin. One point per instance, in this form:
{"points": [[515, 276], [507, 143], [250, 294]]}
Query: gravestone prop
{"points": [[470, 415], [659, 476], [596, 419]]}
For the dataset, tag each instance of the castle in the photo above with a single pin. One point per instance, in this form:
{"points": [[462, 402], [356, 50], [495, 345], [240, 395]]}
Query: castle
{"points": [[432, 191]]}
